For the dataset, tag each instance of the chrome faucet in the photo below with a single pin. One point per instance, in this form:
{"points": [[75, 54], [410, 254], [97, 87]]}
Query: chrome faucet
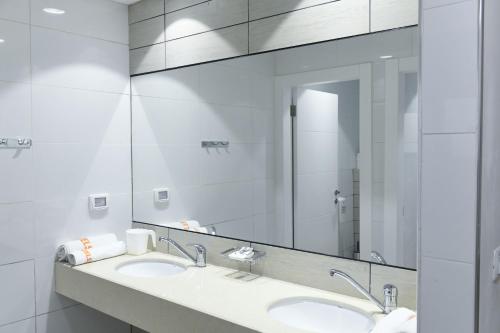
{"points": [[390, 292], [201, 252]]}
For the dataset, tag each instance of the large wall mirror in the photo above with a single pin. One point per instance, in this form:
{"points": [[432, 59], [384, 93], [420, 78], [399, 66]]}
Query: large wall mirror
{"points": [[313, 148]]}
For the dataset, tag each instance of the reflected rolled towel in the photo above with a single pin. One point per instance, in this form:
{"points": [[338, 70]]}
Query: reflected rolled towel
{"points": [[400, 320], [84, 256], [242, 254], [189, 225], [84, 243]]}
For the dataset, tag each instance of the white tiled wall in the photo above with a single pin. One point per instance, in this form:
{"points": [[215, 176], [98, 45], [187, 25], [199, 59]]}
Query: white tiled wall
{"points": [[489, 298], [450, 114], [63, 82], [173, 112]]}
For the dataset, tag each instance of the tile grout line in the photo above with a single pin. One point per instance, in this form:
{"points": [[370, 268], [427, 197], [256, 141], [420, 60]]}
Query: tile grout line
{"points": [[190, 35], [248, 21], [448, 133], [109, 92], [32, 150], [17, 262], [79, 34], [447, 260], [444, 5]]}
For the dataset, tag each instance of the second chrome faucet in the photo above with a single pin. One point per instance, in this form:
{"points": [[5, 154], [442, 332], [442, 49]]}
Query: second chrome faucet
{"points": [[390, 292], [200, 258]]}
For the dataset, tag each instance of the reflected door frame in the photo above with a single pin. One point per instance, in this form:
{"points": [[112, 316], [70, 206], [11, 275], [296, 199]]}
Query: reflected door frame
{"points": [[284, 86], [394, 69]]}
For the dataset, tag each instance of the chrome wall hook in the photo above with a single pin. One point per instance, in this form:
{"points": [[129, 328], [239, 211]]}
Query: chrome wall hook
{"points": [[16, 143]]}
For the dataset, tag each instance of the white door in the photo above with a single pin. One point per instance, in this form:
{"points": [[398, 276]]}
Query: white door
{"points": [[316, 171]]}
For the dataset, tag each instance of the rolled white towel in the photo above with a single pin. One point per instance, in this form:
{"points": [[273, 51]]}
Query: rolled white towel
{"points": [[84, 256], [400, 320], [84, 243], [190, 225], [409, 326]]}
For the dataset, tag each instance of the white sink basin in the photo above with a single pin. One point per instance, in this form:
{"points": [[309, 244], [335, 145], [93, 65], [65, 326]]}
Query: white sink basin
{"points": [[150, 268], [320, 316]]}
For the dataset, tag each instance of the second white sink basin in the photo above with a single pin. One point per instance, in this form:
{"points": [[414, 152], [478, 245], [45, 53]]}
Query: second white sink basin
{"points": [[320, 316], [150, 268]]}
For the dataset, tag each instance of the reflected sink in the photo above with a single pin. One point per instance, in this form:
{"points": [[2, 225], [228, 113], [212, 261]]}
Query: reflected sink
{"points": [[320, 316], [150, 268]]}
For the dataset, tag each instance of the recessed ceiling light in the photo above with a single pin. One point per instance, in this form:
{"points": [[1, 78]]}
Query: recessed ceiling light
{"points": [[386, 57], [2, 40], [54, 11]]}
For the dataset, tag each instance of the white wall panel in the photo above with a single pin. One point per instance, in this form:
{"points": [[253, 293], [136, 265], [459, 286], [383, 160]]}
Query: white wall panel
{"points": [[449, 47], [25, 326], [16, 224], [15, 10], [93, 18], [15, 64], [67, 60], [17, 292]]}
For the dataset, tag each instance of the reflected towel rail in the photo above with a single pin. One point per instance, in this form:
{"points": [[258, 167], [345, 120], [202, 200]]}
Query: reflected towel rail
{"points": [[215, 144]]}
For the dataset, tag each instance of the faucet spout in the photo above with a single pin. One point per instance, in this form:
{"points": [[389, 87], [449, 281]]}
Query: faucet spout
{"points": [[385, 308], [201, 252]]}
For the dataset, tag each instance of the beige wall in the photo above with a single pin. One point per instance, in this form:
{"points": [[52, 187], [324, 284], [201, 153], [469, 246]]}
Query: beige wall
{"points": [[176, 33]]}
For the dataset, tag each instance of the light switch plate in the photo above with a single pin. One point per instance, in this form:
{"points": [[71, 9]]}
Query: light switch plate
{"points": [[162, 195], [98, 201]]}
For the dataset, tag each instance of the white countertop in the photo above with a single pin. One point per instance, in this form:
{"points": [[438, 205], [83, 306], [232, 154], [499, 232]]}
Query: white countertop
{"points": [[209, 291]]}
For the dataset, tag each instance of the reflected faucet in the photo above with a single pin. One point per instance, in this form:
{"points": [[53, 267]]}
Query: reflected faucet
{"points": [[378, 258], [201, 252], [390, 292]]}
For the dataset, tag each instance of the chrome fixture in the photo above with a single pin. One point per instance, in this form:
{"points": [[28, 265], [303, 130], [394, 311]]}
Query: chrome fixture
{"points": [[339, 200], [378, 258], [15, 143], [54, 11], [251, 260], [214, 144], [390, 292], [201, 252], [341, 209]]}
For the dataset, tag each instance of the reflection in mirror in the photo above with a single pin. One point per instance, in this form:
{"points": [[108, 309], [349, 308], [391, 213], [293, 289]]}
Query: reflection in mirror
{"points": [[313, 148]]}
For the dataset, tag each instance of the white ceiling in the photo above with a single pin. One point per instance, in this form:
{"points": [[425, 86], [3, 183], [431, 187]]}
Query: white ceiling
{"points": [[127, 2]]}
